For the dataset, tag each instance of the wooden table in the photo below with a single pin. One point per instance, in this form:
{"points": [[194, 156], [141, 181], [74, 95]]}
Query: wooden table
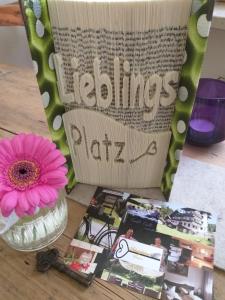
{"points": [[21, 111]]}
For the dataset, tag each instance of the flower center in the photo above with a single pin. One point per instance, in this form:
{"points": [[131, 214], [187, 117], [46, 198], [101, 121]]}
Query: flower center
{"points": [[23, 174]]}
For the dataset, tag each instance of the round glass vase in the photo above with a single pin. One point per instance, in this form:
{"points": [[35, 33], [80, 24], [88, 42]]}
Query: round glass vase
{"points": [[32, 233]]}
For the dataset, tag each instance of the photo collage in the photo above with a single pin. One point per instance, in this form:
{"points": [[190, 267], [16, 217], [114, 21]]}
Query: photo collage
{"points": [[158, 249]]}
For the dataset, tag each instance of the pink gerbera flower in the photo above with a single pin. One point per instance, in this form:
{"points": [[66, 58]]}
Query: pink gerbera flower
{"points": [[31, 173]]}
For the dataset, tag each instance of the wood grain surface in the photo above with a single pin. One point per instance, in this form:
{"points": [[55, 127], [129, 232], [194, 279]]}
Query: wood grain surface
{"points": [[24, 110], [214, 154], [10, 15], [21, 110]]}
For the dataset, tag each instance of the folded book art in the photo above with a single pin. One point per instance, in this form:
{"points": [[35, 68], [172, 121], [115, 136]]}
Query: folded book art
{"points": [[118, 81]]}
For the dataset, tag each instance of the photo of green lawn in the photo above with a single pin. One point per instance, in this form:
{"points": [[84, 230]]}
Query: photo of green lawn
{"points": [[162, 228]]}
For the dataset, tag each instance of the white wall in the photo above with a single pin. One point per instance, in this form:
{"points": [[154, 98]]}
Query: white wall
{"points": [[214, 62]]}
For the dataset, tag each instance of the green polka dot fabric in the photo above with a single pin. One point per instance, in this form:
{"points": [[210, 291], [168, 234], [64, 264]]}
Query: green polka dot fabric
{"points": [[42, 48], [198, 31]]}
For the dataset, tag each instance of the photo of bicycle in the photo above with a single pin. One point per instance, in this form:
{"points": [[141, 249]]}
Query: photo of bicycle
{"points": [[101, 222]]}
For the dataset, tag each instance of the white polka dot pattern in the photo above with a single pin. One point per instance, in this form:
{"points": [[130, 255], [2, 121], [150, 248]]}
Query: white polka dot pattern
{"points": [[181, 126], [203, 26], [172, 177], [40, 30], [37, 8], [57, 122], [183, 93], [51, 62], [45, 99], [177, 154], [35, 67]]}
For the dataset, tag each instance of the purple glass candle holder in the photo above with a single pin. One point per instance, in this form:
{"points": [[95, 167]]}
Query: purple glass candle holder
{"points": [[207, 123]]}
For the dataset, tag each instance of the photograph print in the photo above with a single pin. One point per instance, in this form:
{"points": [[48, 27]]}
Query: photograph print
{"points": [[184, 255], [102, 219], [135, 265], [185, 223], [157, 249], [186, 266], [141, 213], [81, 256], [197, 286]]}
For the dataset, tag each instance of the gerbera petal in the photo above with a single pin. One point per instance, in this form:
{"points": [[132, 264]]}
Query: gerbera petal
{"points": [[33, 197], [51, 157], [48, 196], [42, 204], [20, 213], [28, 143], [52, 203], [59, 161], [56, 180], [5, 188], [21, 136], [3, 160], [31, 211], [44, 195], [44, 148], [53, 174], [17, 144], [36, 144], [8, 203], [63, 169], [53, 193], [23, 202], [58, 184], [2, 193], [6, 149]]}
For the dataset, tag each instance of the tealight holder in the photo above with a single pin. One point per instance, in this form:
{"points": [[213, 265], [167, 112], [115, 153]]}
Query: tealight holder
{"points": [[207, 126]]}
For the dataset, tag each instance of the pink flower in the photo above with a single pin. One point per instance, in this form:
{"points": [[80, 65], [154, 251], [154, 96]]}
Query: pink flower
{"points": [[31, 173]]}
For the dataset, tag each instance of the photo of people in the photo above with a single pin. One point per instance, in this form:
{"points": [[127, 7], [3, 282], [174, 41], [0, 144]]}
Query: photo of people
{"points": [[128, 235], [176, 257], [158, 243], [135, 266]]}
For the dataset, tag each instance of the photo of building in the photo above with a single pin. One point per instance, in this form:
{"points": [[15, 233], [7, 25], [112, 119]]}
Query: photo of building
{"points": [[189, 220], [187, 223]]}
